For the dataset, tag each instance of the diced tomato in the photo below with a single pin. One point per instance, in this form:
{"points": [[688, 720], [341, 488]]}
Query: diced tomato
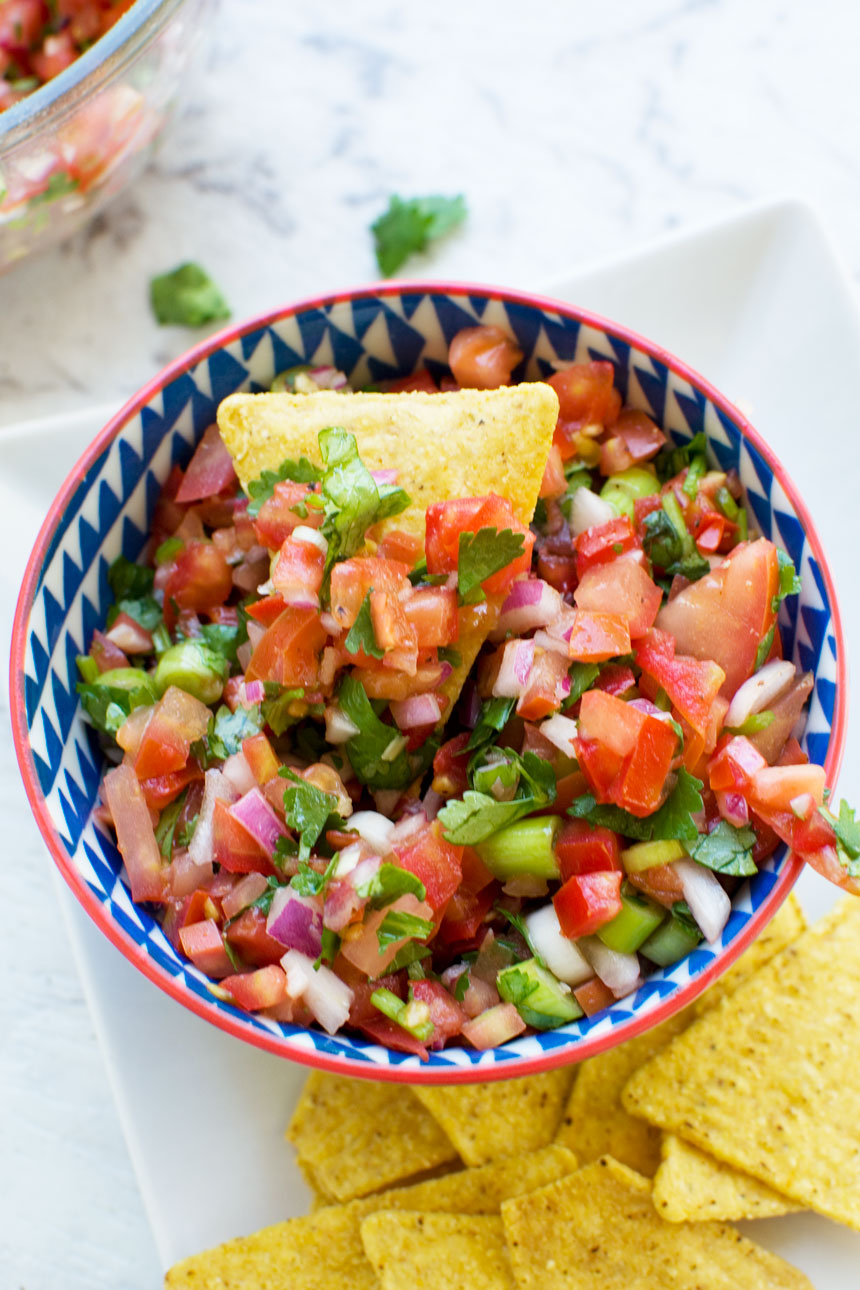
{"points": [[734, 764], [383, 683], [661, 882], [289, 651], [558, 568], [209, 471], [604, 542], [476, 875], [404, 548], [567, 790], [298, 571], [641, 436], [586, 393], [420, 381], [724, 616], [202, 943], [482, 358], [261, 757], [714, 533], [554, 483], [584, 848], [596, 636], [546, 687], [127, 633], [615, 678], [384, 1031], [200, 906], [625, 754], [614, 456], [639, 787], [134, 834], [621, 587], [249, 938], [774, 788], [447, 1015], [643, 506], [435, 862], [610, 721], [351, 580], [587, 901], [177, 722], [200, 579], [263, 988], [449, 767], [432, 613], [106, 654], [465, 914], [445, 521], [267, 610], [593, 996], [161, 790], [277, 517], [692, 684], [234, 847]]}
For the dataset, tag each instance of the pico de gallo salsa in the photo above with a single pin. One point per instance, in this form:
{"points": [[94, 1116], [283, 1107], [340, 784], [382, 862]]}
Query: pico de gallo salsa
{"points": [[41, 38], [332, 841]]}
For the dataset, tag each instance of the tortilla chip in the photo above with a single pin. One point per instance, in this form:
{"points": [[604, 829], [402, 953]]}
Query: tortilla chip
{"points": [[598, 1230], [787, 924], [317, 1252], [690, 1185], [767, 1081], [358, 1136], [481, 1190], [463, 444], [595, 1123], [437, 1251], [488, 1121]]}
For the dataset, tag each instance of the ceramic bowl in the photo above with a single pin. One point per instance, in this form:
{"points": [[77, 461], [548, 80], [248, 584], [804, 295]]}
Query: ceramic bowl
{"points": [[76, 142], [105, 509]]}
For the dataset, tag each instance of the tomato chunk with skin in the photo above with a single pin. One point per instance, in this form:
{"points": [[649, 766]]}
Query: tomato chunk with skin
{"points": [[263, 988], [724, 616], [547, 686], [203, 944], [432, 613], [446, 1014], [289, 651], [200, 579], [249, 938], [278, 516], [209, 471], [352, 580], [691, 684], [177, 722], [435, 862], [586, 902], [624, 753], [482, 358], [234, 848], [449, 767], [298, 571], [621, 587], [585, 848], [604, 542], [596, 636], [445, 521], [134, 834], [586, 393]]}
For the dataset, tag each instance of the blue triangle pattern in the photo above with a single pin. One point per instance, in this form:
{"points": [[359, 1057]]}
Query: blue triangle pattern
{"points": [[54, 618], [365, 313], [152, 433], [621, 363], [654, 387], [131, 467], [109, 508], [133, 539], [693, 410], [382, 371], [526, 326], [226, 375], [762, 469], [452, 316], [284, 355], [406, 342], [791, 534], [761, 509], [410, 301], [66, 703], [346, 349], [53, 745], [90, 771], [479, 304], [818, 575], [73, 824], [816, 745], [153, 492], [621, 378], [806, 657], [44, 774], [826, 691], [89, 540], [103, 872], [312, 325], [176, 396], [788, 627], [251, 340], [72, 578], [727, 455], [815, 621], [564, 338]]}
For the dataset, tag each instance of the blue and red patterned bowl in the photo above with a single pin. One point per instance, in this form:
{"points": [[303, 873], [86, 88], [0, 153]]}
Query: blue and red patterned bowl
{"points": [[105, 508]]}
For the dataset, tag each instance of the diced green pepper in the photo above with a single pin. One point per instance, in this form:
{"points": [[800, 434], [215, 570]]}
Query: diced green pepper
{"points": [[539, 997], [88, 668], [524, 847], [629, 929], [647, 855], [193, 667]]}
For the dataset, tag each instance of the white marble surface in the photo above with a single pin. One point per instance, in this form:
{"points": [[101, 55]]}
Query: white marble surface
{"points": [[575, 132]]}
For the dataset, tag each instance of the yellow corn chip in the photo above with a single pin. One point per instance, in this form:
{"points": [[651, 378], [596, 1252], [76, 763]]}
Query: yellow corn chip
{"points": [[786, 925], [598, 1230], [487, 1121], [690, 1185], [767, 1081], [358, 1136], [595, 1123], [317, 1252], [463, 444], [437, 1251]]}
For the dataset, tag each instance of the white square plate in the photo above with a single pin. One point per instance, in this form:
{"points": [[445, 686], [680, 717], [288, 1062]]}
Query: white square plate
{"points": [[759, 305]]}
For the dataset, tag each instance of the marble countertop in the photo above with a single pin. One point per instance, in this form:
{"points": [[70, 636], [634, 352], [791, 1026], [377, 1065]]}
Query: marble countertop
{"points": [[575, 132]]}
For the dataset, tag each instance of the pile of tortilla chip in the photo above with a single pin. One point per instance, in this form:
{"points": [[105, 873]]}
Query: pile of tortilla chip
{"points": [[619, 1173]]}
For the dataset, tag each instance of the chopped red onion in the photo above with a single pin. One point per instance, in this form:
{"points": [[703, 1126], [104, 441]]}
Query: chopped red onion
{"points": [[709, 904], [733, 808], [258, 817], [432, 803], [296, 921], [384, 476], [445, 670], [328, 378], [517, 660], [255, 691], [532, 603], [328, 998], [417, 710], [555, 644], [342, 901]]}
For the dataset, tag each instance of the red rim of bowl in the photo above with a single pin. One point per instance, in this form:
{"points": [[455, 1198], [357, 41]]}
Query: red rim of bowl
{"points": [[285, 1046]]}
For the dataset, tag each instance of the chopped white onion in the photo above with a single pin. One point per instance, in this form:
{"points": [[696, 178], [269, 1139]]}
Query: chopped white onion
{"points": [[562, 956], [313, 537], [561, 731], [619, 972], [215, 788], [587, 510], [406, 827], [760, 690], [237, 771], [393, 748], [517, 660], [347, 859], [328, 998], [374, 828], [709, 904], [555, 644], [338, 726]]}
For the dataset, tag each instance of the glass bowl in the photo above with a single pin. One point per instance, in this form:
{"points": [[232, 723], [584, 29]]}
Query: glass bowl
{"points": [[79, 140]]}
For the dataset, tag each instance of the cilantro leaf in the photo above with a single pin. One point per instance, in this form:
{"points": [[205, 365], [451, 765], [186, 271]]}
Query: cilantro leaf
{"points": [[727, 849], [367, 750], [308, 882], [672, 820], [407, 227], [351, 497], [278, 711], [264, 900], [698, 467], [789, 583], [224, 638], [409, 956], [478, 815], [397, 925], [494, 716], [481, 555], [660, 539], [229, 730], [582, 677], [361, 635], [519, 924], [672, 459], [684, 915], [166, 826], [145, 610], [764, 647], [388, 884], [308, 809], [186, 833], [187, 297], [129, 581], [107, 706], [847, 832], [298, 472], [461, 985]]}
